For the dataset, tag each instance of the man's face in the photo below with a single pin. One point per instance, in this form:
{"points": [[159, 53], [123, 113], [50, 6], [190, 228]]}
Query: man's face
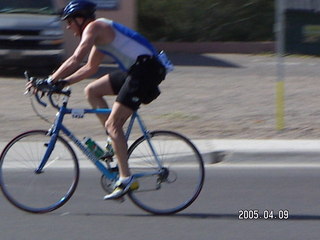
{"points": [[74, 25]]}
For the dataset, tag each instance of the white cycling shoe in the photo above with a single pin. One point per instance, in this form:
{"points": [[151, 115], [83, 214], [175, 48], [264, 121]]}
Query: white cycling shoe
{"points": [[122, 187]]}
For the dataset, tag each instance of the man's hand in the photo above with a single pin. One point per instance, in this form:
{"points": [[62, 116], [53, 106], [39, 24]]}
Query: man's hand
{"points": [[45, 85], [28, 87], [32, 84], [59, 85]]}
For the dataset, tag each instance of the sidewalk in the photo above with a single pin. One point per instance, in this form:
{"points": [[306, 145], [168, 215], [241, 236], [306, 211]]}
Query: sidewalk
{"points": [[260, 152], [255, 146]]}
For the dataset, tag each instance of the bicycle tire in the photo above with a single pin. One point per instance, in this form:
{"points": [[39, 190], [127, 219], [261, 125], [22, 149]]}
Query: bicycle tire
{"points": [[38, 192], [163, 195]]}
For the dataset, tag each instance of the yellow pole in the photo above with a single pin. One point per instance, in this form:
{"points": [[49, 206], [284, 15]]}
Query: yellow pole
{"points": [[280, 104], [280, 37]]}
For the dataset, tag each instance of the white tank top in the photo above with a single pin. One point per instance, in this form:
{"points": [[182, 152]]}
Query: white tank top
{"points": [[126, 46]]}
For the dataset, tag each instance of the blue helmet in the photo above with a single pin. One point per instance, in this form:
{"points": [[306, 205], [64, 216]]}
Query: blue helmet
{"points": [[79, 8]]}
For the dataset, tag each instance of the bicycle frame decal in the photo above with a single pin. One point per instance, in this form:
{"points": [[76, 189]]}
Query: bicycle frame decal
{"points": [[77, 113]]}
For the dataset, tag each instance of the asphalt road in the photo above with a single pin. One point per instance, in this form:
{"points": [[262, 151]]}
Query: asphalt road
{"points": [[230, 192]]}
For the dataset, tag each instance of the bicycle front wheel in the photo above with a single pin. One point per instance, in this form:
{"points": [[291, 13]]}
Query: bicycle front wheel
{"points": [[32, 191], [181, 172]]}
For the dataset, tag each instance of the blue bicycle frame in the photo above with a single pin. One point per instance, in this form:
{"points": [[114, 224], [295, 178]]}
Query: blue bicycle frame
{"points": [[79, 113]]}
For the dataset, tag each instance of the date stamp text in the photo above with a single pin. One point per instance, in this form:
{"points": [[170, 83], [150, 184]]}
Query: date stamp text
{"points": [[255, 214]]}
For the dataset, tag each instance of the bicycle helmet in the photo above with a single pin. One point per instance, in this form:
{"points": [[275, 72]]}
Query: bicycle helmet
{"points": [[79, 8]]}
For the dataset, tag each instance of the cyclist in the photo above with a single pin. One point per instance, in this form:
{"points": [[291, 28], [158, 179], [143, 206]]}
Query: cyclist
{"points": [[140, 72]]}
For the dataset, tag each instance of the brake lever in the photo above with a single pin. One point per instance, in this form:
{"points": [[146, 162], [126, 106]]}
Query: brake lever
{"points": [[29, 80], [38, 98]]}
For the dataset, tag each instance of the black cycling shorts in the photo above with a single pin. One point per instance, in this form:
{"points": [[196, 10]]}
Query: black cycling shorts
{"points": [[117, 79], [140, 84]]}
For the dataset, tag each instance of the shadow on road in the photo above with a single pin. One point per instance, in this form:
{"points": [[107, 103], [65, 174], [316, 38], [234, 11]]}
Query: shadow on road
{"points": [[214, 216], [298, 217], [226, 216], [188, 59]]}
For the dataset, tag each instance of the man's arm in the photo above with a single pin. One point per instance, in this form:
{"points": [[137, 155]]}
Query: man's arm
{"points": [[92, 66], [73, 62]]}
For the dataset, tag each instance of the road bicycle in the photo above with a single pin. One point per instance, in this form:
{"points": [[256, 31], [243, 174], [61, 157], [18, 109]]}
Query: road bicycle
{"points": [[39, 169]]}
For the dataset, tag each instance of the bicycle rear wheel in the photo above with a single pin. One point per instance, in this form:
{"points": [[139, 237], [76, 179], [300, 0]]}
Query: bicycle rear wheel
{"points": [[180, 178], [38, 192]]}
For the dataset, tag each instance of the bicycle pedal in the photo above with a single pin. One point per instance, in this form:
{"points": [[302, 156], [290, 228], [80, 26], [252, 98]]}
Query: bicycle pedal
{"points": [[134, 186]]}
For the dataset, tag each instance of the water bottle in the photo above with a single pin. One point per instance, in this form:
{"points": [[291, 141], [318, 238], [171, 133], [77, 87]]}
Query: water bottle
{"points": [[93, 147]]}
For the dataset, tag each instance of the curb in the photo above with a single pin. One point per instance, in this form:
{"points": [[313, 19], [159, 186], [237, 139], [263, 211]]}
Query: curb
{"points": [[248, 151]]}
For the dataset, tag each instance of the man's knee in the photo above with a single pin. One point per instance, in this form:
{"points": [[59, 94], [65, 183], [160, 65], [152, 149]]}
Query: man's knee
{"points": [[91, 91], [88, 91]]}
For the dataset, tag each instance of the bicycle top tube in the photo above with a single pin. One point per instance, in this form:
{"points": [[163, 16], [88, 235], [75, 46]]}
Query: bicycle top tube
{"points": [[81, 111]]}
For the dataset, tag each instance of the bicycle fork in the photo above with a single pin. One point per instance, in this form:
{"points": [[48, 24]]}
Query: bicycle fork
{"points": [[54, 133], [50, 146]]}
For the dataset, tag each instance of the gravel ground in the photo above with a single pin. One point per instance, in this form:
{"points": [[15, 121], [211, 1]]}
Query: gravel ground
{"points": [[208, 96]]}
